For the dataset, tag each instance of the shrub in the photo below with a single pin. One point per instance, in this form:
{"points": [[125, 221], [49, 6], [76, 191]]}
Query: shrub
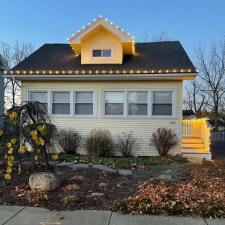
{"points": [[164, 139], [127, 144], [99, 143], [69, 140]]}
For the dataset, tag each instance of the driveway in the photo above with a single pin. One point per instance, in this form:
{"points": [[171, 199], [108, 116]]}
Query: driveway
{"points": [[13, 215]]}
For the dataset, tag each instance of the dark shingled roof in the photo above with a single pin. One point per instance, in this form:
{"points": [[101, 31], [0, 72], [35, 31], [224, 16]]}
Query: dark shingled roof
{"points": [[149, 56]]}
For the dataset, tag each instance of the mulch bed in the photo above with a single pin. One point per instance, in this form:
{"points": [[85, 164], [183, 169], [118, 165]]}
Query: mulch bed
{"points": [[75, 191], [201, 193]]}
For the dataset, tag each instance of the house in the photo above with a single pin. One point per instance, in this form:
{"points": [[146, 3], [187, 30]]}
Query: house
{"points": [[189, 114], [2, 69], [102, 79]]}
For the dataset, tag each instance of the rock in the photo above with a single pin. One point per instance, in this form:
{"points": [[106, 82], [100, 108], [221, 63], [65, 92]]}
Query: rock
{"points": [[103, 186], [125, 172], [44, 181], [97, 195], [70, 199]]}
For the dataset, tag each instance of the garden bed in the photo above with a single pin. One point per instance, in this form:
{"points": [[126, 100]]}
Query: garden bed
{"points": [[191, 191], [121, 162]]}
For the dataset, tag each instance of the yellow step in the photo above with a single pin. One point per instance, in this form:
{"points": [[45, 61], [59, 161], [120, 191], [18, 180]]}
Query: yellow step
{"points": [[192, 140], [193, 145]]}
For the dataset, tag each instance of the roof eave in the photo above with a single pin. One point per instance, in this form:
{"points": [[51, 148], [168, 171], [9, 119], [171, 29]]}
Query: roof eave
{"points": [[174, 76]]}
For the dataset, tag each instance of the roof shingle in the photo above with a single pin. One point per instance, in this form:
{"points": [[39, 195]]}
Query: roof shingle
{"points": [[168, 55]]}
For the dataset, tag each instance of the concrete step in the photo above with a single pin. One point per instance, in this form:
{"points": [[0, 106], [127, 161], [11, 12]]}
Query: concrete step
{"points": [[194, 150], [198, 155], [193, 145]]}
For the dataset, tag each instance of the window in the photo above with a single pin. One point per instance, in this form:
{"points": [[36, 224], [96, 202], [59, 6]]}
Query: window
{"points": [[114, 103], [39, 96], [61, 103], [137, 103], [162, 103], [101, 53], [83, 103]]}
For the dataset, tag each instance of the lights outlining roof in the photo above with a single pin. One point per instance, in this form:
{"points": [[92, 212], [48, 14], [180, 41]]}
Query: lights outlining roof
{"points": [[171, 71], [95, 23]]}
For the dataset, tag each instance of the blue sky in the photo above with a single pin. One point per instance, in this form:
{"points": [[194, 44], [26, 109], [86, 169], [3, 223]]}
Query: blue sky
{"points": [[53, 21]]}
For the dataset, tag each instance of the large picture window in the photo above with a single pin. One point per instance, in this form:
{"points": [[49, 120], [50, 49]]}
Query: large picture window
{"points": [[61, 103], [83, 103], [39, 96], [137, 103], [114, 103], [162, 103]]}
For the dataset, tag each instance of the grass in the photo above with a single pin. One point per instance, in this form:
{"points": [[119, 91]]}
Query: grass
{"points": [[122, 162]]}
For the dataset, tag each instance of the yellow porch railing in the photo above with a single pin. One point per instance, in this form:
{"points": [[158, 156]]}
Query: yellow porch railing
{"points": [[197, 128]]}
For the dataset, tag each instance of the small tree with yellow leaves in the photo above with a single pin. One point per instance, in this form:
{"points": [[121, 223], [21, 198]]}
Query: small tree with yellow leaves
{"points": [[28, 123]]}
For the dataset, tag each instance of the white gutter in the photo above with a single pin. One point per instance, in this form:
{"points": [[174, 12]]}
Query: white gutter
{"points": [[163, 76]]}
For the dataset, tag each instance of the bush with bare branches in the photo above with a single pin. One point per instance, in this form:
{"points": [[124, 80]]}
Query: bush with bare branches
{"points": [[164, 139], [99, 143], [127, 144], [70, 140]]}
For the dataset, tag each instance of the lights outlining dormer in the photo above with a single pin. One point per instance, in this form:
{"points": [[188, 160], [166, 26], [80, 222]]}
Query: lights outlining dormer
{"points": [[111, 36]]}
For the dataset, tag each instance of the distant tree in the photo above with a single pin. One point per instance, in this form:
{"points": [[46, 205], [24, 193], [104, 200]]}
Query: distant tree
{"points": [[212, 76], [195, 99], [161, 37], [12, 55]]}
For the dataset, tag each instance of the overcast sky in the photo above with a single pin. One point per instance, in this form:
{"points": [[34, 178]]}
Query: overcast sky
{"points": [[52, 21]]}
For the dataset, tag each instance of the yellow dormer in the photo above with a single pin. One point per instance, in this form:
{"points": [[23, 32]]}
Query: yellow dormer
{"points": [[101, 42]]}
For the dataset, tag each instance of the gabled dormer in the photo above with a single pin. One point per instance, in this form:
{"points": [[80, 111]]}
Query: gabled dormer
{"points": [[101, 42]]}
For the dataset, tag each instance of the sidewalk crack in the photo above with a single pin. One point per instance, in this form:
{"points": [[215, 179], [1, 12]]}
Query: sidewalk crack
{"points": [[14, 215], [110, 217], [205, 221]]}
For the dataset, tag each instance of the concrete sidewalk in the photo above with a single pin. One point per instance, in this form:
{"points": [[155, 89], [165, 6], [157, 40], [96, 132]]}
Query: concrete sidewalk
{"points": [[14, 215]]}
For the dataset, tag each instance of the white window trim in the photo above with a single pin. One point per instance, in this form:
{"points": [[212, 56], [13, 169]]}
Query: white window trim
{"points": [[51, 101], [149, 104], [37, 90], [93, 102], [174, 103], [72, 101], [124, 103]]}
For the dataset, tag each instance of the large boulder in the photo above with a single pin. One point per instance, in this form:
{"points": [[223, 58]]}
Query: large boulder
{"points": [[44, 181]]}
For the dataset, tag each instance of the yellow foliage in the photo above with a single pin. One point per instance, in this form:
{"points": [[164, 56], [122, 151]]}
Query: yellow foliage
{"points": [[22, 149], [8, 176], [9, 170], [10, 151], [13, 141], [11, 158], [42, 129], [55, 157], [10, 164], [34, 134], [39, 141], [1, 132], [12, 117], [9, 145]]}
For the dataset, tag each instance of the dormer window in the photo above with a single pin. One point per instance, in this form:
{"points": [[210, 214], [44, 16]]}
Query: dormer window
{"points": [[101, 53]]}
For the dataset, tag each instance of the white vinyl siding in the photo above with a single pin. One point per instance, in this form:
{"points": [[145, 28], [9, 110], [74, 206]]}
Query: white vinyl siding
{"points": [[142, 126]]}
